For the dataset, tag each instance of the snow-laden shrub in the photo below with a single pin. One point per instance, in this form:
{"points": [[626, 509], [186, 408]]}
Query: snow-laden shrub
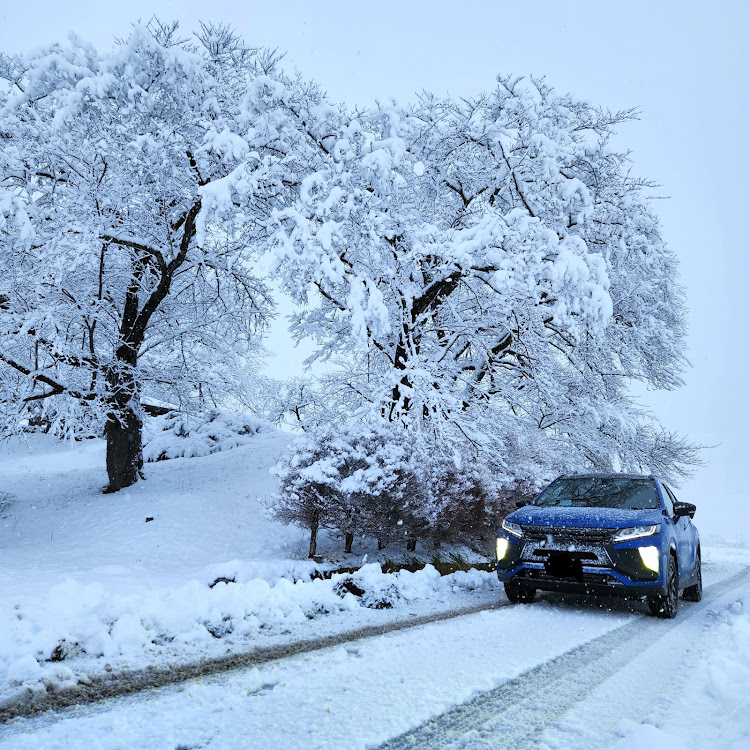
{"points": [[381, 480], [177, 435], [457, 498], [355, 479], [7, 500], [461, 497]]}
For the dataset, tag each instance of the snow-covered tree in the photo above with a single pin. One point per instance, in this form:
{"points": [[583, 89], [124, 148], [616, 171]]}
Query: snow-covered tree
{"points": [[135, 191], [480, 270], [491, 267]]}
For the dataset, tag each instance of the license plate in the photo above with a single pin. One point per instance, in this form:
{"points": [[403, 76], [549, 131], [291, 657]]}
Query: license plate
{"points": [[562, 565]]}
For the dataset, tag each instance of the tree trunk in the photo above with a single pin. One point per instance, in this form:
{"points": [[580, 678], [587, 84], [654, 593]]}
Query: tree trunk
{"points": [[313, 536], [124, 428], [349, 539], [124, 451]]}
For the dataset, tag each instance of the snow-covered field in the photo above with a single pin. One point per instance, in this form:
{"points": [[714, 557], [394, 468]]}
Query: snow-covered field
{"points": [[204, 511], [87, 586]]}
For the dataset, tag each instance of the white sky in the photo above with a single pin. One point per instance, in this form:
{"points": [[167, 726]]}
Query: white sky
{"points": [[685, 64]]}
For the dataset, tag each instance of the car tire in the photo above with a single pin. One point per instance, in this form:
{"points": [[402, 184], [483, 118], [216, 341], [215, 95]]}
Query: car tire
{"points": [[666, 606], [694, 593], [519, 594]]}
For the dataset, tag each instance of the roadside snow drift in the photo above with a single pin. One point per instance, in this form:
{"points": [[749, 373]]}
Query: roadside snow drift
{"points": [[91, 628]]}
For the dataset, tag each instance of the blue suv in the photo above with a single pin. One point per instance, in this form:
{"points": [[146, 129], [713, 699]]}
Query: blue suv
{"points": [[604, 534]]}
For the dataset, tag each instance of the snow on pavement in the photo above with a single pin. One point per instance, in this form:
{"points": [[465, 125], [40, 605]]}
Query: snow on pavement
{"points": [[80, 631], [361, 694], [707, 704], [689, 691], [348, 697]]}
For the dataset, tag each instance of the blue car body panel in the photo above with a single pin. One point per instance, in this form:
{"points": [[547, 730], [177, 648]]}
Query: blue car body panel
{"points": [[581, 538]]}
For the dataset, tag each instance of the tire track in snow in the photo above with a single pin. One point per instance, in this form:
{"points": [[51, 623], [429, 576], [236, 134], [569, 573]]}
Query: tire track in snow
{"points": [[516, 713], [105, 687]]}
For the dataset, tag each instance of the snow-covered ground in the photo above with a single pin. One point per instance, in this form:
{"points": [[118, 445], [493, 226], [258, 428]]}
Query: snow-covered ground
{"points": [[86, 581], [205, 510], [89, 587], [690, 690], [361, 694]]}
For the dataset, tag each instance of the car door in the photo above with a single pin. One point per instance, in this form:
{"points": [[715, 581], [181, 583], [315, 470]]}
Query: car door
{"points": [[685, 538]]}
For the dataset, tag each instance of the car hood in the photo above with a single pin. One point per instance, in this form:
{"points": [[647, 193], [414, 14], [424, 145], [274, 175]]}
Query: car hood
{"points": [[584, 518]]}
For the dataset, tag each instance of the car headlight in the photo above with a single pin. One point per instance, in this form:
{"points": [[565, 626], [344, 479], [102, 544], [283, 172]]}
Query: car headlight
{"points": [[512, 528], [502, 547], [636, 532]]}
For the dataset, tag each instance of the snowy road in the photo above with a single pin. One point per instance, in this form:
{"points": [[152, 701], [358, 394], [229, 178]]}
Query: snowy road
{"points": [[562, 673], [525, 710]]}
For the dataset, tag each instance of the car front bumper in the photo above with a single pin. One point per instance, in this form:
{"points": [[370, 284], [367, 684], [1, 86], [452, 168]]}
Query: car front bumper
{"points": [[596, 581], [582, 565]]}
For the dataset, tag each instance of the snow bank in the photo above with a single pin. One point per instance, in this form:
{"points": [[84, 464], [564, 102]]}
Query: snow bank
{"points": [[243, 571], [88, 625], [176, 436]]}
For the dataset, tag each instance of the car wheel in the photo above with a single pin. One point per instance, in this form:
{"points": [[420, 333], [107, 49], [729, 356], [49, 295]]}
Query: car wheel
{"points": [[695, 593], [519, 594], [666, 606]]}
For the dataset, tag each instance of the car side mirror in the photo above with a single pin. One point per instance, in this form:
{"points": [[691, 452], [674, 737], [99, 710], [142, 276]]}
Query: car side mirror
{"points": [[684, 509], [522, 503]]}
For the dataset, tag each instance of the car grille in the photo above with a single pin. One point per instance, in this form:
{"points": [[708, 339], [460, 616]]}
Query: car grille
{"points": [[587, 545], [572, 536]]}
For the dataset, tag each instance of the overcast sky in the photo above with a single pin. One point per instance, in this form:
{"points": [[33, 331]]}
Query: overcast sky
{"points": [[684, 64]]}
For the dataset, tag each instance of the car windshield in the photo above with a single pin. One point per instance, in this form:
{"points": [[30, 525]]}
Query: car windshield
{"points": [[601, 492]]}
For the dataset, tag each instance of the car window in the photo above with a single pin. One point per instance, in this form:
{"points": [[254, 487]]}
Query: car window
{"points": [[669, 500], [627, 493]]}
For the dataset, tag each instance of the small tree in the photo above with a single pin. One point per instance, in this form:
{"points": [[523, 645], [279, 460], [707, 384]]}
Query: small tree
{"points": [[309, 494], [300, 501], [350, 479], [457, 495]]}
